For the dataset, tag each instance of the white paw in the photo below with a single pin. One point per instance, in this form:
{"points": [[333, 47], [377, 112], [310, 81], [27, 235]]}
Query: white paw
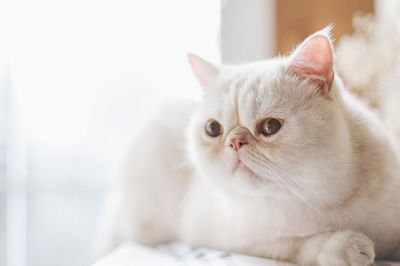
{"points": [[347, 249]]}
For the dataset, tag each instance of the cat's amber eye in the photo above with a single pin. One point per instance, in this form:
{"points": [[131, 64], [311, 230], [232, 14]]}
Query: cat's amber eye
{"points": [[213, 128], [269, 126]]}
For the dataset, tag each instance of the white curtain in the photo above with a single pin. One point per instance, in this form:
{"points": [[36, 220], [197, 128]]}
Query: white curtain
{"points": [[82, 77], [3, 160]]}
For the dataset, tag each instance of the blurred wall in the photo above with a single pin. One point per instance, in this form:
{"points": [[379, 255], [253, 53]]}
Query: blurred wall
{"points": [[295, 20], [259, 29], [247, 30], [3, 169]]}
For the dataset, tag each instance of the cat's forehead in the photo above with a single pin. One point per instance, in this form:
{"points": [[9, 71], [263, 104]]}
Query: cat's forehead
{"points": [[253, 74], [251, 91]]}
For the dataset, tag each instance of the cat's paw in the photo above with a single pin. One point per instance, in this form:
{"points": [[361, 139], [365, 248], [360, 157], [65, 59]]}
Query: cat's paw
{"points": [[347, 249]]}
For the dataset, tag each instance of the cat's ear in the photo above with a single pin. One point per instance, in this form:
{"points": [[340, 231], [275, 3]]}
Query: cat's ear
{"points": [[204, 71], [313, 60]]}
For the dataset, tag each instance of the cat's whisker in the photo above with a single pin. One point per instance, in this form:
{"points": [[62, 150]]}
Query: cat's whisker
{"points": [[292, 185], [276, 178], [259, 162], [280, 175], [290, 178]]}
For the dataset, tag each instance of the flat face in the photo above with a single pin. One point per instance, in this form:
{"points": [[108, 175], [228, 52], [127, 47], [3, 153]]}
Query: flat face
{"points": [[275, 132]]}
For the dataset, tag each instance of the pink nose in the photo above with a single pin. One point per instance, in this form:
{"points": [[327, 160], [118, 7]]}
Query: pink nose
{"points": [[237, 143]]}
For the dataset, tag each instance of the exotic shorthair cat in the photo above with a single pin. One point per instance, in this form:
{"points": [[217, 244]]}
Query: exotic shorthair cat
{"points": [[278, 160]]}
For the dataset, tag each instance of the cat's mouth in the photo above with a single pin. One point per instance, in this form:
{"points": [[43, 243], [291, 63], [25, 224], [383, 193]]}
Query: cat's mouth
{"points": [[244, 168], [241, 165]]}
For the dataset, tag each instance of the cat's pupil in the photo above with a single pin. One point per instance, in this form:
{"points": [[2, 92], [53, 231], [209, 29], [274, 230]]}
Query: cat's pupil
{"points": [[213, 128], [270, 126]]}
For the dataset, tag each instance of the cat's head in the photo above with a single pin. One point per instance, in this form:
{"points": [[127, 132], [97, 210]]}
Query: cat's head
{"points": [[272, 128]]}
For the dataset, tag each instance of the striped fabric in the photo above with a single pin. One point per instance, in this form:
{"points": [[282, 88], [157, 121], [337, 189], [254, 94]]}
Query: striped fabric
{"points": [[176, 254]]}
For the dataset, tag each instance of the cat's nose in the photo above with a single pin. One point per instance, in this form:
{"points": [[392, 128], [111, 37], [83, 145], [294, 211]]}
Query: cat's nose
{"points": [[237, 143]]}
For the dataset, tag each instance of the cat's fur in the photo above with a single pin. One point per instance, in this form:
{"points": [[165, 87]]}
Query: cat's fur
{"points": [[323, 190]]}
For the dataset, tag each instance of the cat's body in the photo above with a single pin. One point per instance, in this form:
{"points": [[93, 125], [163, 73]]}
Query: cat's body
{"points": [[314, 192], [268, 227]]}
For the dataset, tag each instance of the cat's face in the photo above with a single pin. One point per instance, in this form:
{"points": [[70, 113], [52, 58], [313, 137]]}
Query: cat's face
{"points": [[263, 129]]}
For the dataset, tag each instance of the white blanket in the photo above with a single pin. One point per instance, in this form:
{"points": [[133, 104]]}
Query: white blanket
{"points": [[176, 254]]}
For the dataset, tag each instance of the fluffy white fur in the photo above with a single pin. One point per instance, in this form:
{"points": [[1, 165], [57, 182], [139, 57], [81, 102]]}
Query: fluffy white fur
{"points": [[323, 190], [369, 63]]}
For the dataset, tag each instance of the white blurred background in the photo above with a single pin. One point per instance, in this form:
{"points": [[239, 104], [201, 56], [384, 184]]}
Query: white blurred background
{"points": [[78, 78]]}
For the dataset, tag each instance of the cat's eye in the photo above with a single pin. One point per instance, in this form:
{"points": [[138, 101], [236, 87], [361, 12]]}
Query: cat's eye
{"points": [[213, 128], [269, 126]]}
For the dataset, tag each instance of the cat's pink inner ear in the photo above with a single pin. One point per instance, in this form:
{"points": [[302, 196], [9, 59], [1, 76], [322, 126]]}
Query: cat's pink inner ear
{"points": [[204, 71], [314, 60]]}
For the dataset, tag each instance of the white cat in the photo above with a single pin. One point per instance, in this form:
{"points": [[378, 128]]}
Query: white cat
{"points": [[277, 161]]}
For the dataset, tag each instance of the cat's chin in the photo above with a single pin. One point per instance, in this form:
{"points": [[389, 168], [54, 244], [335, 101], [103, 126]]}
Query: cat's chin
{"points": [[244, 180], [244, 171], [241, 166]]}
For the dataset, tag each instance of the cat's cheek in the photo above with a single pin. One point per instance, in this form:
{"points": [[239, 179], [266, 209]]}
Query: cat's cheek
{"points": [[208, 151]]}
